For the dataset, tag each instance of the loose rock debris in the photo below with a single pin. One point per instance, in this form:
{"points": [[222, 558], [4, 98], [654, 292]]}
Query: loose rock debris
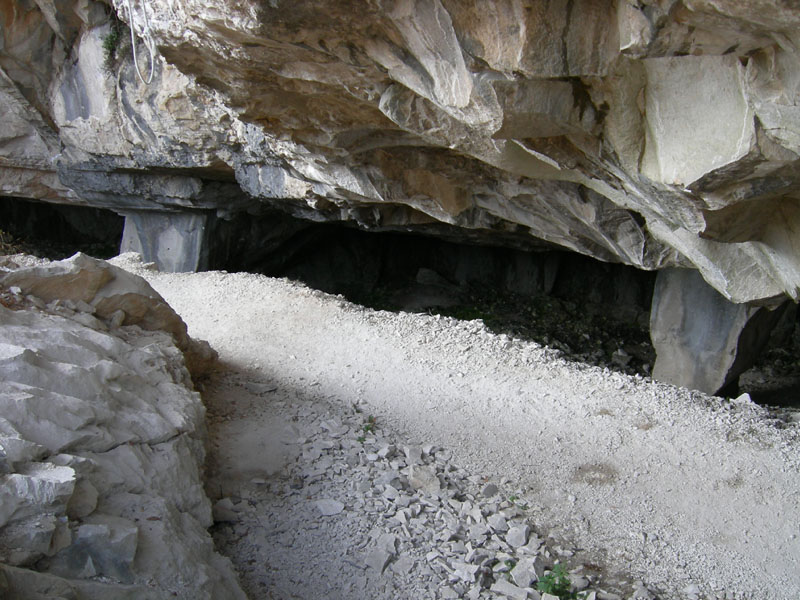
{"points": [[374, 517]]}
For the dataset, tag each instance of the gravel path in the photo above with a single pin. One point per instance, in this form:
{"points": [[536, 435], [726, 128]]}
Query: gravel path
{"points": [[624, 480]]}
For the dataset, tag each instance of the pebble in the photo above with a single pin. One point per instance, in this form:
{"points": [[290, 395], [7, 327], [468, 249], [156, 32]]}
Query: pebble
{"points": [[501, 586], [489, 490], [329, 507]]}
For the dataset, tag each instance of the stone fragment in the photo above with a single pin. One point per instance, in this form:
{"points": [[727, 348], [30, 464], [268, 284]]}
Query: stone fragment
{"points": [[413, 455], [497, 522], [387, 542], [579, 583], [508, 589], [424, 479], [489, 490], [377, 559], [640, 592], [524, 573], [386, 451], [328, 507], [403, 565], [465, 571], [517, 536]]}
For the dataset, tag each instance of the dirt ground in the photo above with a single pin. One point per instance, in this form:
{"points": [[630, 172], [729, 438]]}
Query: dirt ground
{"points": [[692, 495]]}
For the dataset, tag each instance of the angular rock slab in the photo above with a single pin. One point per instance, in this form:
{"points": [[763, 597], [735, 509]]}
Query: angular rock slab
{"points": [[702, 340], [175, 242]]}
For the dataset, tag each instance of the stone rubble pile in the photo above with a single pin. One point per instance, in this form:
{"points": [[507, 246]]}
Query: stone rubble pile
{"points": [[362, 514], [101, 443]]}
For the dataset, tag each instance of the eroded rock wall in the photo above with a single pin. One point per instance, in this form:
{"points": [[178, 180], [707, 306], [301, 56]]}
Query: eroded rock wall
{"points": [[101, 442]]}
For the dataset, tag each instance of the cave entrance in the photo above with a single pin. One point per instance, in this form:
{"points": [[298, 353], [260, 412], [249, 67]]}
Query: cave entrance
{"points": [[593, 312], [57, 231]]}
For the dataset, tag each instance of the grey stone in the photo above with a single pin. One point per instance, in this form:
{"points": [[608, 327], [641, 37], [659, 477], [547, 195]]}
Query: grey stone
{"points": [[377, 559], [328, 507], [424, 479], [524, 573], [702, 340], [413, 455], [497, 522], [508, 589], [465, 571], [489, 490], [387, 542], [517, 535], [403, 565]]}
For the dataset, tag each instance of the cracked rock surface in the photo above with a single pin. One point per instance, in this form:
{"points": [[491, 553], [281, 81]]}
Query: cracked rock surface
{"points": [[101, 452]]}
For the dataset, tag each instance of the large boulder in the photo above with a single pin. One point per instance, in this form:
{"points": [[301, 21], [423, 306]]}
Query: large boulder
{"points": [[101, 443], [95, 287]]}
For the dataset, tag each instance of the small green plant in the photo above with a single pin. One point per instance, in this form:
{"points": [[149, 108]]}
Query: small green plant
{"points": [[557, 583], [514, 499], [361, 439], [111, 41], [369, 426]]}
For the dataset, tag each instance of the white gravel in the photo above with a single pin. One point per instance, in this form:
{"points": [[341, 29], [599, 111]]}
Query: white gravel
{"points": [[695, 497]]}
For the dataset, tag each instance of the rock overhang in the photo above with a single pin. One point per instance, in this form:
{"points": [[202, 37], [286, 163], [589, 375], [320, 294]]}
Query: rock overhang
{"points": [[655, 134], [676, 116]]}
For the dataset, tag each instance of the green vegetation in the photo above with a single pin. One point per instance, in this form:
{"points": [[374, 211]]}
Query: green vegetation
{"points": [[557, 583], [369, 426], [111, 41]]}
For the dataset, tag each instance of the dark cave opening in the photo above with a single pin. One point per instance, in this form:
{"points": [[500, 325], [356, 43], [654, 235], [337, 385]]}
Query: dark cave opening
{"points": [[593, 312], [57, 231]]}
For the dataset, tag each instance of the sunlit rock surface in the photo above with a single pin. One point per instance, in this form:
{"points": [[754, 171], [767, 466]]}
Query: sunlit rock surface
{"points": [[101, 442], [656, 133]]}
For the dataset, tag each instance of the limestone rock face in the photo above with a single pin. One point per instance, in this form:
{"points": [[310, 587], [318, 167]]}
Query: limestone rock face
{"points": [[655, 133], [702, 340], [101, 447], [95, 287]]}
